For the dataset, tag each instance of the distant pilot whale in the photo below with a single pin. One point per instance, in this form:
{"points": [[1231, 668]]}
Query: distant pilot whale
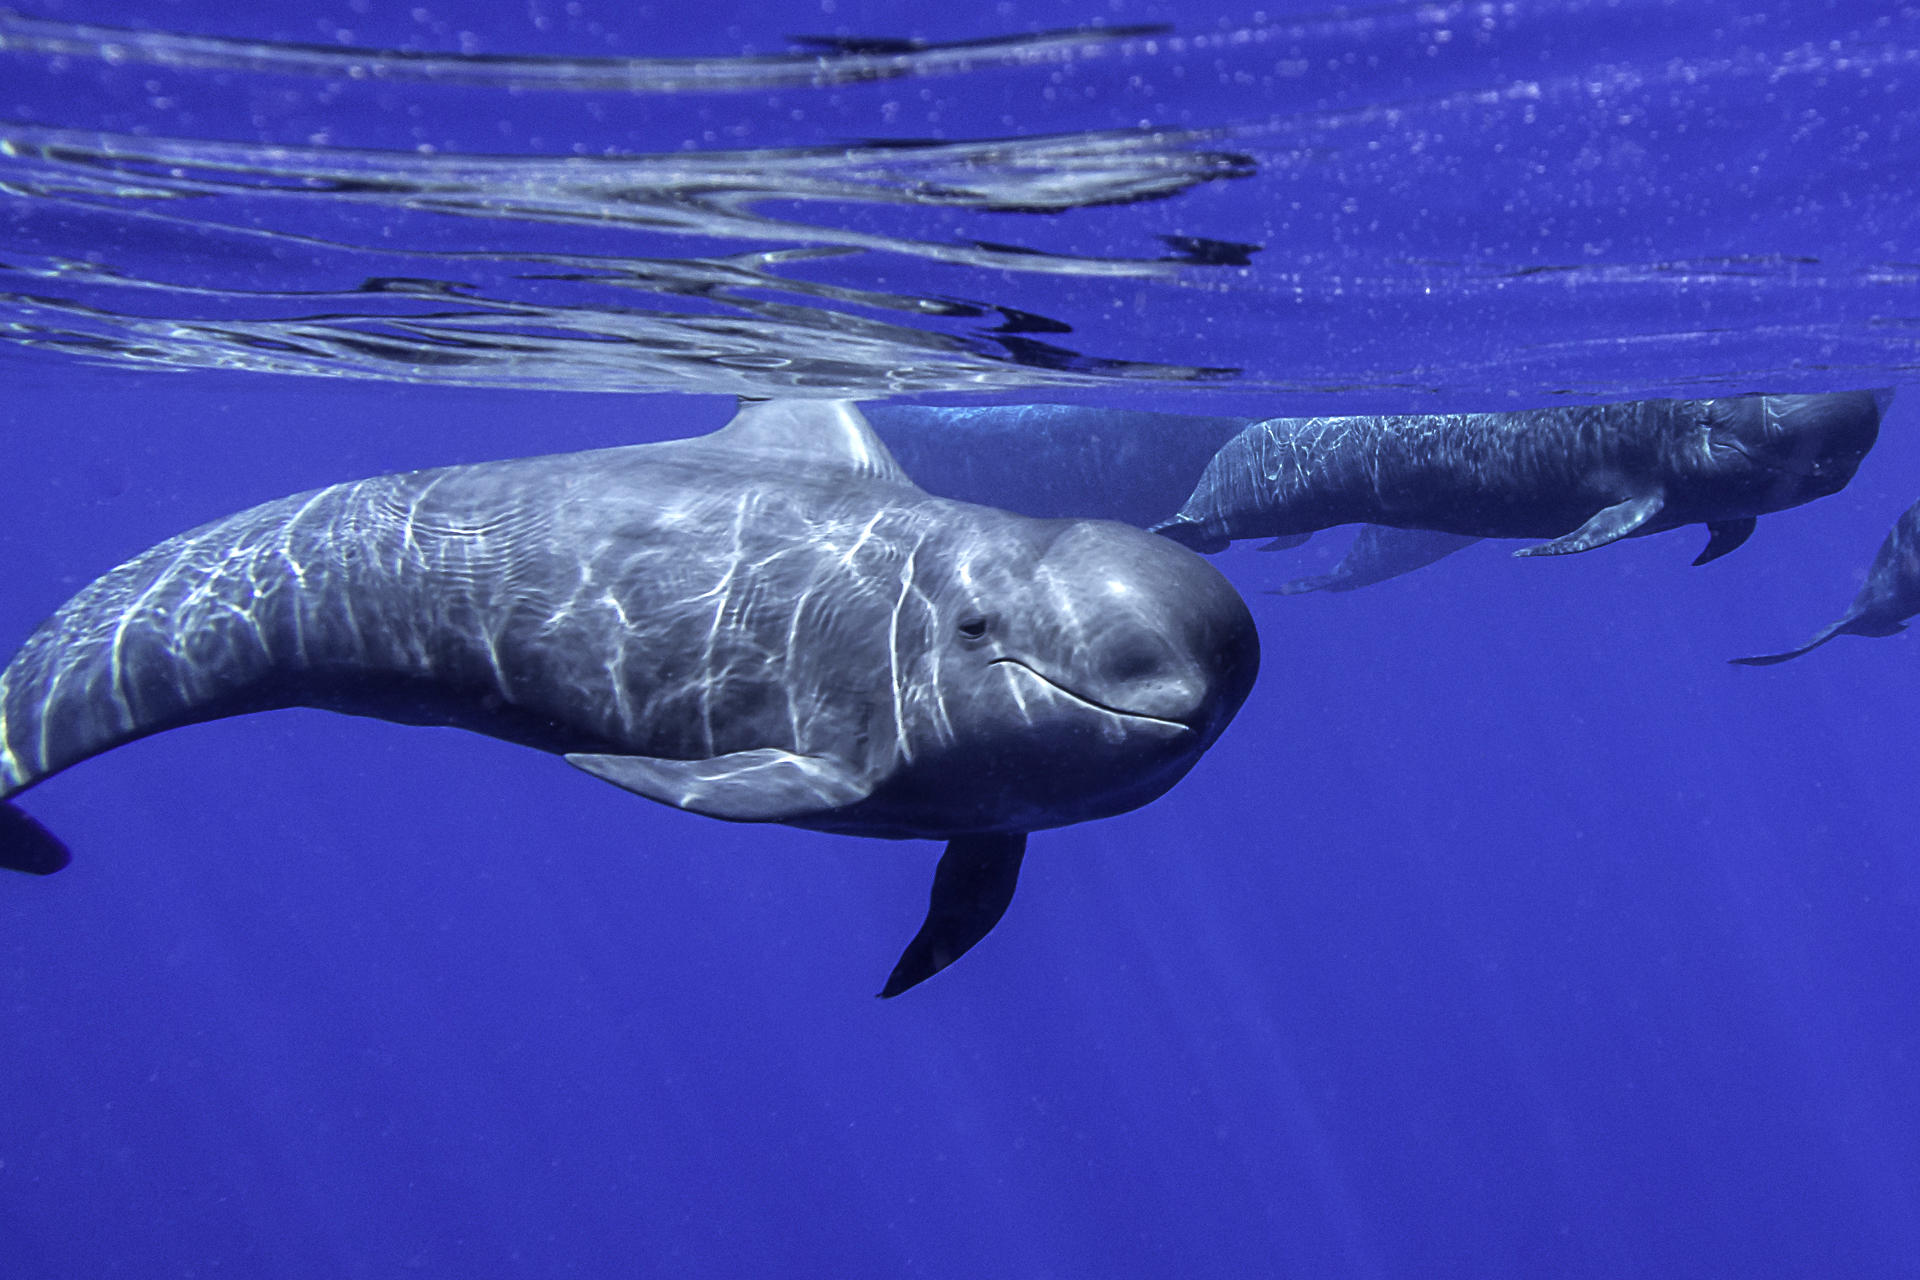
{"points": [[1379, 552], [1890, 596], [767, 624], [1582, 476]]}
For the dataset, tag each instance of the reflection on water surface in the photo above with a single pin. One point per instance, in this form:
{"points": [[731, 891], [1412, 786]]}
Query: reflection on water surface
{"points": [[1467, 205], [493, 325]]}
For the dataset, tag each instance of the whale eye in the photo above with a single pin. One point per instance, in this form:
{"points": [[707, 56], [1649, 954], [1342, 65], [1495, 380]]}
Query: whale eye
{"points": [[972, 628]]}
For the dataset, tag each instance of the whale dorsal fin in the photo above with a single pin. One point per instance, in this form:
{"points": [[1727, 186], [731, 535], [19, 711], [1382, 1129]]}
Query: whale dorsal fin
{"points": [[824, 432]]}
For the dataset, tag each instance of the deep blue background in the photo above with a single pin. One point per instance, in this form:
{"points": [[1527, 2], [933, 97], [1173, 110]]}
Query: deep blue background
{"points": [[1509, 931]]}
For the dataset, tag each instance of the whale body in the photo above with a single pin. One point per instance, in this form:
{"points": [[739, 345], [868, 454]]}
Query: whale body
{"points": [[1582, 476], [1380, 552], [1889, 597], [1055, 460], [767, 624]]}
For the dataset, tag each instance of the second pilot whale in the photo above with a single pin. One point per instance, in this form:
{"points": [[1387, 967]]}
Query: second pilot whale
{"points": [[1890, 595], [767, 624], [1582, 476]]}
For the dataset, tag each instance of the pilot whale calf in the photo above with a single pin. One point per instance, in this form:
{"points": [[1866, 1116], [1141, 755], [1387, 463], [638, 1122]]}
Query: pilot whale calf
{"points": [[766, 624], [1889, 597], [1583, 476], [1380, 552]]}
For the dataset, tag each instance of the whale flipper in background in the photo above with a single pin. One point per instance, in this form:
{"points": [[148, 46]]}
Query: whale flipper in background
{"points": [[1890, 595], [27, 846], [971, 889], [1724, 536], [1379, 552]]}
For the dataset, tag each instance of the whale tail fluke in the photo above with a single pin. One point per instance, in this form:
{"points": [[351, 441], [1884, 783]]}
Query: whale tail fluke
{"points": [[1851, 625], [1768, 659], [27, 846]]}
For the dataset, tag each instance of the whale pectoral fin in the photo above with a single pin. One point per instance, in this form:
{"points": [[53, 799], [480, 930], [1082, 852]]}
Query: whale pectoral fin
{"points": [[747, 786], [1725, 536], [971, 889], [27, 846], [1610, 525]]}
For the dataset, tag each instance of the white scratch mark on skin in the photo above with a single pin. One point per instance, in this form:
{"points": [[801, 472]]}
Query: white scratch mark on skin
{"points": [[8, 759], [616, 661], [846, 560], [722, 595], [491, 642], [409, 542], [893, 656], [116, 666], [296, 616], [790, 685], [287, 528], [931, 637], [345, 599], [1015, 687]]}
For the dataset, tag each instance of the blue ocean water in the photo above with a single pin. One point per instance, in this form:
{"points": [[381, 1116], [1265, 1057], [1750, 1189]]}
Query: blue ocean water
{"points": [[1508, 931]]}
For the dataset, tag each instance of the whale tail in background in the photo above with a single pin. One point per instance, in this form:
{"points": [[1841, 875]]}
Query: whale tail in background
{"points": [[1851, 625], [27, 846]]}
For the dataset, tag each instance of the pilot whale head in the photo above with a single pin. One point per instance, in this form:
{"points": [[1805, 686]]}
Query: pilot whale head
{"points": [[1067, 670], [1779, 451]]}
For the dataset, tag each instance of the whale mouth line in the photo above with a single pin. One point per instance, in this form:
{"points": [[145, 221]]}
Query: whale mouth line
{"points": [[1809, 471], [1736, 446], [1081, 698]]}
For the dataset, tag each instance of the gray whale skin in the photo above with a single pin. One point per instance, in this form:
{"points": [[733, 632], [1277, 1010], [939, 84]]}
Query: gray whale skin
{"points": [[1583, 476], [767, 624], [1889, 597], [1379, 552]]}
